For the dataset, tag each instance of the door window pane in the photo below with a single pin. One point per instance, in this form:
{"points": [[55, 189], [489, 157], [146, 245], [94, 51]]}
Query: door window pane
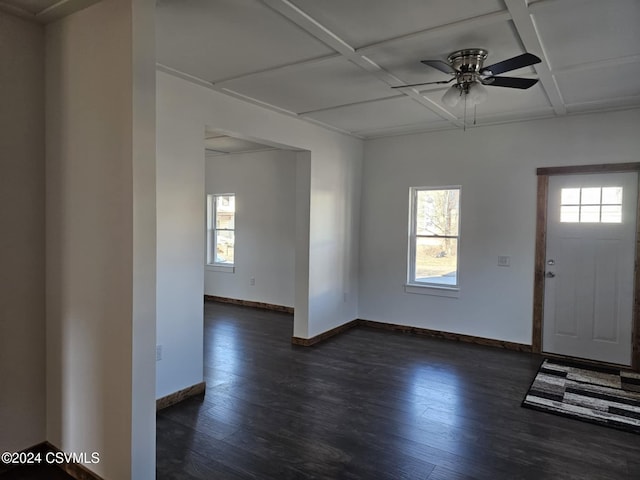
{"points": [[570, 213], [612, 196], [590, 214], [570, 196], [590, 196], [611, 214]]}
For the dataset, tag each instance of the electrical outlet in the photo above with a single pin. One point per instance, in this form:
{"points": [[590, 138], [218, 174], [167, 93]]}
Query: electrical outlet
{"points": [[504, 261], [252, 281], [158, 353]]}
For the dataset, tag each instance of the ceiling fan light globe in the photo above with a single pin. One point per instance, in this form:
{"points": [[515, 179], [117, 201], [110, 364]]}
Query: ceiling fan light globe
{"points": [[451, 97], [477, 93]]}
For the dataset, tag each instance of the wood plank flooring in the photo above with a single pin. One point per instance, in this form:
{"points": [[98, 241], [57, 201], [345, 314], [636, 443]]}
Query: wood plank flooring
{"points": [[371, 404]]}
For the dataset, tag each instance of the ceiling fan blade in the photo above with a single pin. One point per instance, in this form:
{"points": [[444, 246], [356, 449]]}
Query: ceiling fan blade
{"points": [[425, 83], [444, 67], [514, 63], [510, 82]]}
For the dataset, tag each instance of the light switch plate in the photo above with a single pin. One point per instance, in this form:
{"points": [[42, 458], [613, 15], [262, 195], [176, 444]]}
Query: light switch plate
{"points": [[504, 261]]}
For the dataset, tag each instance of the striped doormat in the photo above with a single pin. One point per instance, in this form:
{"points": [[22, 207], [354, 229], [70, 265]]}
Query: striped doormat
{"points": [[602, 395]]}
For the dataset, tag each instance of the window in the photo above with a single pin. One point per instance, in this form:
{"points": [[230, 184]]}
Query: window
{"points": [[434, 237], [221, 211], [591, 205]]}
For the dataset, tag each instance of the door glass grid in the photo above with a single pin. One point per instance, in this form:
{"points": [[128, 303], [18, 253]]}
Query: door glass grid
{"points": [[591, 205]]}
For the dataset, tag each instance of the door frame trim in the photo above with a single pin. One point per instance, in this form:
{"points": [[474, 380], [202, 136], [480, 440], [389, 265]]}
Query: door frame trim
{"points": [[541, 250]]}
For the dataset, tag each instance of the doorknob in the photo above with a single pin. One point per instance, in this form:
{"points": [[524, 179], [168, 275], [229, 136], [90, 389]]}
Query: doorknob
{"points": [[551, 262], [550, 275]]}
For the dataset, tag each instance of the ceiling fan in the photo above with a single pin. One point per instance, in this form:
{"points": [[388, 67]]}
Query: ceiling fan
{"points": [[470, 75]]}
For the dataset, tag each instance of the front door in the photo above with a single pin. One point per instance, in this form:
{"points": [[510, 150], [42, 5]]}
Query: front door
{"points": [[588, 295]]}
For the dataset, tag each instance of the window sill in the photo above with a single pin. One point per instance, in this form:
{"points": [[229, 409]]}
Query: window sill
{"points": [[432, 290], [220, 268]]}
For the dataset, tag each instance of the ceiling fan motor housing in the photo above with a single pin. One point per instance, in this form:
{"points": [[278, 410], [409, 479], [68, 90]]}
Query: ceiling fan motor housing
{"points": [[467, 64], [469, 60]]}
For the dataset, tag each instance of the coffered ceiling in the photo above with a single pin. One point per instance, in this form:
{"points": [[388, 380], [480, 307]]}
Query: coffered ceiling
{"points": [[333, 62]]}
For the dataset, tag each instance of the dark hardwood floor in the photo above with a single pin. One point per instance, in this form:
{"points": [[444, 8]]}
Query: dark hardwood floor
{"points": [[368, 404], [372, 404]]}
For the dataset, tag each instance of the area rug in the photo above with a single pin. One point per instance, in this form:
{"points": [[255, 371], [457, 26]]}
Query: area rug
{"points": [[602, 395]]}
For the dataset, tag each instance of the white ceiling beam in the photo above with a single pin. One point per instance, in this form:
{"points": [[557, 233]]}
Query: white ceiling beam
{"points": [[269, 106], [279, 68], [248, 98], [185, 76], [610, 63], [620, 103], [351, 104], [322, 33], [310, 25], [544, 5], [473, 23], [526, 29]]}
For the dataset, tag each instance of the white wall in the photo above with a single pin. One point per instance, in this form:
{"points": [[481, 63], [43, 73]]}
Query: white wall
{"points": [[180, 247], [334, 238], [100, 82], [327, 208], [496, 167], [264, 184], [22, 324]]}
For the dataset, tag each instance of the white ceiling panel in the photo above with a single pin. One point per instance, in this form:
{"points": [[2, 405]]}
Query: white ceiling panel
{"points": [[376, 115], [219, 39], [312, 86], [574, 32], [363, 22], [402, 58], [600, 85]]}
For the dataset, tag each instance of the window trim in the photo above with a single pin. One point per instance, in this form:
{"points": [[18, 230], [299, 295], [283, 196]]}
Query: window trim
{"points": [[212, 234], [427, 288]]}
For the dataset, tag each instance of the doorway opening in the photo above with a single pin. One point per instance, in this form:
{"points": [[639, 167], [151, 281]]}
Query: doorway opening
{"points": [[252, 195]]}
